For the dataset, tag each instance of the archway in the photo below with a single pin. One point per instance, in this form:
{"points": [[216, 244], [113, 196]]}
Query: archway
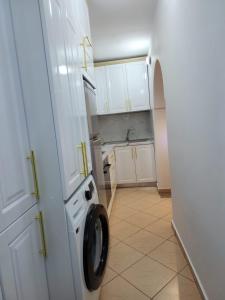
{"points": [[160, 130]]}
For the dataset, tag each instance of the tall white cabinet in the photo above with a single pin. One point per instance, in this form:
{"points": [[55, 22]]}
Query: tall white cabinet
{"points": [[22, 268], [44, 153], [63, 54], [23, 272], [122, 87]]}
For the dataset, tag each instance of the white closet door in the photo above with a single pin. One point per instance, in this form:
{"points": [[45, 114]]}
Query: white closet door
{"points": [[117, 88], [137, 84], [101, 88], [16, 183], [63, 103], [23, 275], [145, 163]]}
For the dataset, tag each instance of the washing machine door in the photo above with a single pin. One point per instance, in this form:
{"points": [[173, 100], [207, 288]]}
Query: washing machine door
{"points": [[96, 246]]}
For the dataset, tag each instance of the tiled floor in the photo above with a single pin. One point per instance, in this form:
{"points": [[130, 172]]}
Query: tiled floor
{"points": [[145, 260]]}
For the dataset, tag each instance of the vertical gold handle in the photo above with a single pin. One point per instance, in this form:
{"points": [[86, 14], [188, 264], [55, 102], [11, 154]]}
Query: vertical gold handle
{"points": [[83, 44], [39, 218], [85, 56], [32, 159], [86, 160]]}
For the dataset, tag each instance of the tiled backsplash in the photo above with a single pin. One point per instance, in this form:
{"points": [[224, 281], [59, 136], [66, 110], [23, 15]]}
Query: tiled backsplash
{"points": [[114, 127]]}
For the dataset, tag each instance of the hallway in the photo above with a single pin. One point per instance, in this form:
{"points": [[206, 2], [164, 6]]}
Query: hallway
{"points": [[145, 260]]}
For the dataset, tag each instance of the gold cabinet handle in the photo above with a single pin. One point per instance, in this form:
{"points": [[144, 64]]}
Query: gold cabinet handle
{"points": [[84, 45], [86, 160], [86, 38], [32, 159], [82, 151], [43, 250], [84, 171]]}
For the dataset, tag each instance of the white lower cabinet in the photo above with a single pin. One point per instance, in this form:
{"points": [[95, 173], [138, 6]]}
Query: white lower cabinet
{"points": [[125, 166], [145, 163], [22, 267], [135, 164], [113, 178]]}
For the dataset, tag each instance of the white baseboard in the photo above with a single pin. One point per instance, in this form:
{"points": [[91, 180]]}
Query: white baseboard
{"points": [[203, 291]]}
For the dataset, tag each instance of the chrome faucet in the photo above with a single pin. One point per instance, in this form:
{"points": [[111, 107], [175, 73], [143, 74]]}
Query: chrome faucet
{"points": [[129, 130]]}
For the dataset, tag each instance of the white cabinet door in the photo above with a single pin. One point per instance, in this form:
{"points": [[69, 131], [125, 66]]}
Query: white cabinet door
{"points": [[101, 88], [16, 183], [63, 89], [22, 267], [145, 163], [137, 84], [125, 165], [117, 88]]}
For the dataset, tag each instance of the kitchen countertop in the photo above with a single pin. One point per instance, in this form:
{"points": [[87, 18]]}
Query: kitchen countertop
{"points": [[107, 148]]}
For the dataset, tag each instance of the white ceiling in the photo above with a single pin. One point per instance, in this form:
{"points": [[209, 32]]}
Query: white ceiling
{"points": [[120, 28]]}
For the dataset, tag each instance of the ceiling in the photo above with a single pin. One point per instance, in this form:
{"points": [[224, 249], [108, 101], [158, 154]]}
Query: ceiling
{"points": [[120, 28]]}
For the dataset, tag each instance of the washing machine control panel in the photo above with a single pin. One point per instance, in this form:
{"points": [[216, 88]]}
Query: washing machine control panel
{"points": [[89, 191]]}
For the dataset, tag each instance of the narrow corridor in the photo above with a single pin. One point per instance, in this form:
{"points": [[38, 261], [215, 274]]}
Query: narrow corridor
{"points": [[145, 261]]}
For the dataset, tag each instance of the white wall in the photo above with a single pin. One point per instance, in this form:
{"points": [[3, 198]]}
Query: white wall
{"points": [[189, 40], [161, 149]]}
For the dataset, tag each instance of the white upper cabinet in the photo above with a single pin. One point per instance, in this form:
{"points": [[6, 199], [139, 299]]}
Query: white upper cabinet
{"points": [[117, 90], [16, 182], [102, 91], [122, 88], [137, 85], [145, 163], [23, 275]]}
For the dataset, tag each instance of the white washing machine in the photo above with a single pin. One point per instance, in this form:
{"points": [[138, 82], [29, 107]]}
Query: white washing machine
{"points": [[89, 240]]}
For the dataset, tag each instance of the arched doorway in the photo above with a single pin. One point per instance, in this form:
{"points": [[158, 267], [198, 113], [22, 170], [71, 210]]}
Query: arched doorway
{"points": [[160, 130]]}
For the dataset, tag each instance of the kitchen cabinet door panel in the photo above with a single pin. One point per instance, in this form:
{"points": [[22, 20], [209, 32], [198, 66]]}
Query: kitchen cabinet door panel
{"points": [[102, 92], [125, 167], [137, 84], [16, 182], [117, 90], [23, 275], [62, 89], [145, 163]]}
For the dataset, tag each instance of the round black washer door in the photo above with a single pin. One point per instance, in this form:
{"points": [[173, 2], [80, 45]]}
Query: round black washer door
{"points": [[96, 246]]}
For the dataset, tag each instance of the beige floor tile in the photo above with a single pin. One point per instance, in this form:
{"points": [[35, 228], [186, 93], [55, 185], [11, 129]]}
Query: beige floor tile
{"points": [[120, 289], [161, 228], [186, 272], [141, 219], [123, 230], [109, 275], [113, 220], [144, 241], [170, 255], [173, 239], [179, 288], [122, 256], [160, 210], [113, 242], [123, 212], [168, 217], [148, 276], [143, 206]]}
